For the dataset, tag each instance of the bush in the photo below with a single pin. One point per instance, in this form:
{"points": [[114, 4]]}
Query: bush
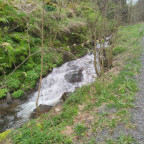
{"points": [[18, 94], [3, 92], [13, 83]]}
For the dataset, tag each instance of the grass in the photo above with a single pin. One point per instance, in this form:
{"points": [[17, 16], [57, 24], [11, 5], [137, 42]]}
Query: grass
{"points": [[94, 111]]}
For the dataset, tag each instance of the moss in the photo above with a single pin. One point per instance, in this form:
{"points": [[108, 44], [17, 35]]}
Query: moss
{"points": [[4, 135]]}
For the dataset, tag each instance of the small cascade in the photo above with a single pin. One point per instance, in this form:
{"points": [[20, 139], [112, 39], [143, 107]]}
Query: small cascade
{"points": [[65, 78]]}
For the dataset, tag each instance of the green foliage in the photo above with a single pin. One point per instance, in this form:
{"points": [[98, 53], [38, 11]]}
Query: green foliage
{"points": [[118, 50], [80, 130], [3, 20], [30, 79], [49, 8], [17, 94], [11, 15], [13, 83], [13, 51], [123, 139], [38, 136], [3, 92]]}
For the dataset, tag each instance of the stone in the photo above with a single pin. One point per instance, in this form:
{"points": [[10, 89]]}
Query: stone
{"points": [[57, 110], [75, 76], [4, 105], [41, 109], [1, 120], [65, 96], [8, 98]]}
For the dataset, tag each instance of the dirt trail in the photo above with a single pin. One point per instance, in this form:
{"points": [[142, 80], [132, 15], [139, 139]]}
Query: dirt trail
{"points": [[138, 112]]}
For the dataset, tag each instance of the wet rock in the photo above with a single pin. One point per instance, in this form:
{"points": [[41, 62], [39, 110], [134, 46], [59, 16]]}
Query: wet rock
{"points": [[72, 66], [4, 105], [73, 77], [1, 121], [8, 98], [10, 118], [65, 96], [41, 109]]}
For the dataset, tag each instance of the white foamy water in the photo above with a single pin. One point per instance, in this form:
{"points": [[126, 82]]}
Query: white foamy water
{"points": [[63, 79]]}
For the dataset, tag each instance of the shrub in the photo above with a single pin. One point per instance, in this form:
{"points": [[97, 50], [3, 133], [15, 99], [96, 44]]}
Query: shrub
{"points": [[18, 94], [13, 83], [3, 92]]}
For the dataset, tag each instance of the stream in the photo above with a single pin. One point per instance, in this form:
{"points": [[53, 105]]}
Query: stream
{"points": [[65, 78]]}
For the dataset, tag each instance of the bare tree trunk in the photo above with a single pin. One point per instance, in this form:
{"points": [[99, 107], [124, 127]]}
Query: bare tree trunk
{"points": [[42, 45], [101, 58], [95, 45], [95, 55]]}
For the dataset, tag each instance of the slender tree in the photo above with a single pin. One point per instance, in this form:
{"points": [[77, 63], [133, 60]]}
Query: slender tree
{"points": [[42, 52]]}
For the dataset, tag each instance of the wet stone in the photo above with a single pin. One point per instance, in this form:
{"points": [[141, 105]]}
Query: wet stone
{"points": [[1, 120], [65, 96], [4, 105], [41, 109], [73, 77]]}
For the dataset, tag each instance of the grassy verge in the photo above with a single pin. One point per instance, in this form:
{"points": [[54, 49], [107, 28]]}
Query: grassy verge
{"points": [[94, 112]]}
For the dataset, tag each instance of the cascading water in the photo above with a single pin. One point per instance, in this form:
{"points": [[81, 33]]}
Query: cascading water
{"points": [[63, 79]]}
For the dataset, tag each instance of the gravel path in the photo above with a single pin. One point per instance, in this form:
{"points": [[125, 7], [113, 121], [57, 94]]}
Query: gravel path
{"points": [[138, 112]]}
